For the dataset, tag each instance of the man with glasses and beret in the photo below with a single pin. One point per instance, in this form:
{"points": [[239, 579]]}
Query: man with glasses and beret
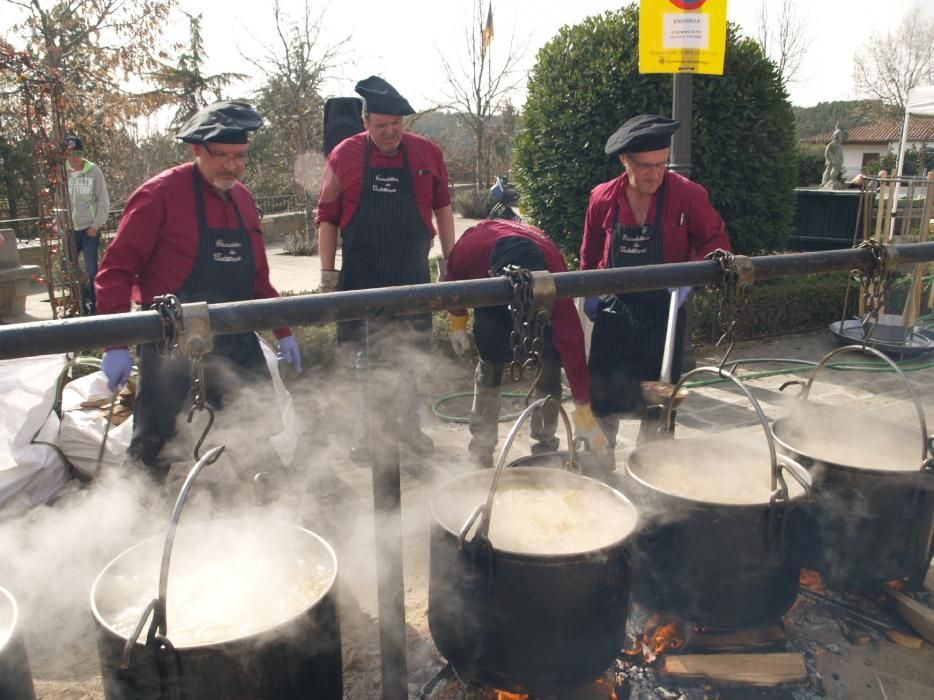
{"points": [[384, 190], [89, 205], [192, 231], [648, 215]]}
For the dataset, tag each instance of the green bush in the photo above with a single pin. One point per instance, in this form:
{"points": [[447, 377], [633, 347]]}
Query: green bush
{"points": [[774, 307], [473, 204], [586, 83], [811, 165]]}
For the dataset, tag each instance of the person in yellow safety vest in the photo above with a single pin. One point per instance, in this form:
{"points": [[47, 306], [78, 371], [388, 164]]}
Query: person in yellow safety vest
{"points": [[90, 205]]}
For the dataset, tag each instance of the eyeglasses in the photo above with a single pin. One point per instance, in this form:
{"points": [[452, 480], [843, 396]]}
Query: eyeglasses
{"points": [[238, 158], [647, 168]]}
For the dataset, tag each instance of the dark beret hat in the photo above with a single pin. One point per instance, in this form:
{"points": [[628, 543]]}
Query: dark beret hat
{"points": [[647, 132], [382, 98], [516, 250], [221, 122], [73, 143]]}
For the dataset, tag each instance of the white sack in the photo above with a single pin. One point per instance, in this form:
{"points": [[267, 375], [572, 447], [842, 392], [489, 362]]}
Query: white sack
{"points": [[30, 474], [82, 429]]}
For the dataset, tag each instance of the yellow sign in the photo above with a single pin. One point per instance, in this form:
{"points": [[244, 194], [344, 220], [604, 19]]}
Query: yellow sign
{"points": [[682, 36]]}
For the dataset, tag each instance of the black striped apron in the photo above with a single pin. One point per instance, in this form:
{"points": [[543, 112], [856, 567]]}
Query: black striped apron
{"points": [[629, 334], [223, 270], [385, 244]]}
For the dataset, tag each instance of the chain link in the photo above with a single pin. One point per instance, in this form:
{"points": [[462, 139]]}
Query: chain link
{"points": [[169, 309], [733, 291], [874, 283], [527, 337]]}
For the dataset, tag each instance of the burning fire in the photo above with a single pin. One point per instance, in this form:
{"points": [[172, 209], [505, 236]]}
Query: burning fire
{"points": [[601, 689], [657, 638], [812, 579]]}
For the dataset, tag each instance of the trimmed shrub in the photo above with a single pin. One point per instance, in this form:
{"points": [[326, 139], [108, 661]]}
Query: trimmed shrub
{"points": [[473, 204], [586, 83]]}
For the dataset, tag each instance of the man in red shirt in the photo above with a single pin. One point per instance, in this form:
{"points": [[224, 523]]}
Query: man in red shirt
{"points": [[486, 250], [380, 190], [192, 231], [647, 215]]}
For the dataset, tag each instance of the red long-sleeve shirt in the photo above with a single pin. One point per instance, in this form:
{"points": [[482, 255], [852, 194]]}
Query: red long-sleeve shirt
{"points": [[470, 259], [343, 177], [691, 226], [156, 242]]}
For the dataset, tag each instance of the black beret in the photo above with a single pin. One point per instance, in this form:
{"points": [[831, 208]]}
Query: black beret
{"points": [[516, 250], [647, 132], [221, 122], [382, 98], [73, 143]]}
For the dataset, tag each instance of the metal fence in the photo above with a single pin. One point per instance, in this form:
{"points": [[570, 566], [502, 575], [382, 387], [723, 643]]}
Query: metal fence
{"points": [[27, 228]]}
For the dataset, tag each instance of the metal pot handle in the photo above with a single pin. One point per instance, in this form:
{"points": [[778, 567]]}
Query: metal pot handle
{"points": [[480, 516], [763, 420], [157, 607], [927, 449]]}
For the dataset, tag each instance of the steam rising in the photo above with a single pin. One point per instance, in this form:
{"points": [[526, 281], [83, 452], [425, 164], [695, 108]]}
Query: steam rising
{"points": [[730, 469], [852, 437]]}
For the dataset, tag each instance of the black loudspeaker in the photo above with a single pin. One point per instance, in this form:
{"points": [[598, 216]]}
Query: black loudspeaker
{"points": [[341, 119]]}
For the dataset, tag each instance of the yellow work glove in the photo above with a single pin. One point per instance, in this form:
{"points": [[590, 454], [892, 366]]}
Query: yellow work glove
{"points": [[459, 340], [586, 428]]}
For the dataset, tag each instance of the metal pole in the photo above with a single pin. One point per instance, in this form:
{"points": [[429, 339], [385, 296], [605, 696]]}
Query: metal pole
{"points": [[95, 332], [682, 96], [383, 432]]}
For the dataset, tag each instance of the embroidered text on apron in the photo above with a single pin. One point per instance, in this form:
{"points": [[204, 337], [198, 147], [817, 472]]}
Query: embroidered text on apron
{"points": [[223, 270], [385, 243], [626, 346]]}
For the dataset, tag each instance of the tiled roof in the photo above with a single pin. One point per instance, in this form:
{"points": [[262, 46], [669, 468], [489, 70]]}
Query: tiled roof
{"points": [[919, 129]]}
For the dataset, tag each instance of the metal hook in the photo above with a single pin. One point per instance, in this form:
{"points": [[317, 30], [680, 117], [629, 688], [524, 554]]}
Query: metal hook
{"points": [[207, 428]]}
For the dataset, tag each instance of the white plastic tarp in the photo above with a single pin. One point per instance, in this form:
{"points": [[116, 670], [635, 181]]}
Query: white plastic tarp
{"points": [[30, 473], [921, 103]]}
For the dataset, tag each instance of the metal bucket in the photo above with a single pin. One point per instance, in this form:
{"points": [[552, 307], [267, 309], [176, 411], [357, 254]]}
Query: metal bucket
{"points": [[872, 521], [291, 650], [15, 676], [705, 559], [524, 621]]}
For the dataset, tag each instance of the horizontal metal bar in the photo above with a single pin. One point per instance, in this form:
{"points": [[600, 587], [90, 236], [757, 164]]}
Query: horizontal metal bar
{"points": [[95, 332]]}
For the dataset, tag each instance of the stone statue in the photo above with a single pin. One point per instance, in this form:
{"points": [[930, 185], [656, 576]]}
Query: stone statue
{"points": [[833, 158]]}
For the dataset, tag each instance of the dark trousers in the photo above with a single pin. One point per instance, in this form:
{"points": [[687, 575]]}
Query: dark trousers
{"points": [[90, 246]]}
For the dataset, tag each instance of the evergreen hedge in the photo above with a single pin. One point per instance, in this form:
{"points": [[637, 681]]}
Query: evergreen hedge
{"points": [[586, 83]]}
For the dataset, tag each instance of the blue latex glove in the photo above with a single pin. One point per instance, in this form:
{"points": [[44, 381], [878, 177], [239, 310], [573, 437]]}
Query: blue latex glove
{"points": [[116, 365], [288, 352], [592, 307]]}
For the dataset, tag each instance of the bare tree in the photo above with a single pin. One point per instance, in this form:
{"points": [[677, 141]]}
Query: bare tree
{"points": [[785, 43], [95, 44], [891, 64], [479, 86], [295, 67]]}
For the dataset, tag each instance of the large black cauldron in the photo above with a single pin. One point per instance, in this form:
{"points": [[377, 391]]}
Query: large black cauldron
{"points": [[722, 561], [873, 514], [524, 622], [15, 677], [291, 651]]}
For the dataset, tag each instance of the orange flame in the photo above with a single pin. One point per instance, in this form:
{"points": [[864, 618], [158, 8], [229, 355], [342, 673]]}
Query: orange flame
{"points": [[503, 695], [812, 579]]}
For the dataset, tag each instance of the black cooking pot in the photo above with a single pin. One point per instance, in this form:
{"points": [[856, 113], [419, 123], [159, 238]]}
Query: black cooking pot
{"points": [[519, 621], [290, 652], [873, 514], [15, 676], [703, 554]]}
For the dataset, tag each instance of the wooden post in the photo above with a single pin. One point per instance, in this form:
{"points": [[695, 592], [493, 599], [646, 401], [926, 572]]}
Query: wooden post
{"points": [[913, 302]]}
